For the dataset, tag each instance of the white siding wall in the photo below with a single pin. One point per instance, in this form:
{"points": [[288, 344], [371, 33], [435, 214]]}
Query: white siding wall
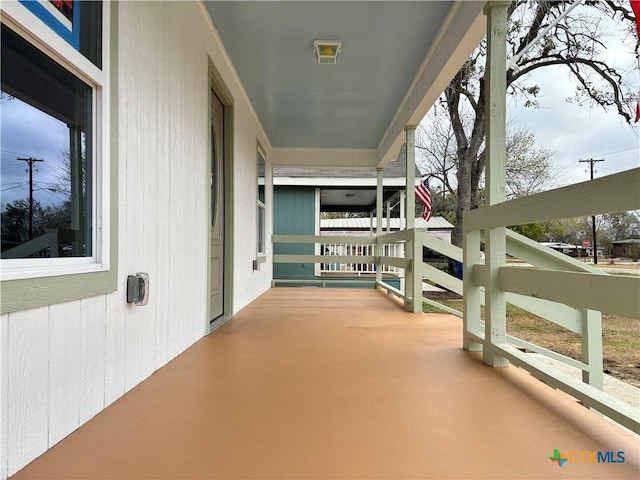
{"points": [[62, 364]]}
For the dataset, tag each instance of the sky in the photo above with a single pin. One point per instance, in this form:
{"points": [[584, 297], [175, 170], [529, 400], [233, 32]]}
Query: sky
{"points": [[26, 132], [573, 132], [576, 132]]}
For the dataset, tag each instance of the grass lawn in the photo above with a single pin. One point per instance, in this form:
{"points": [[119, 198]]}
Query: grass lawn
{"points": [[620, 338]]}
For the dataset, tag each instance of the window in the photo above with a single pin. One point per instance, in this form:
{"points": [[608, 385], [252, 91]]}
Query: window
{"points": [[46, 128], [54, 164], [261, 203]]}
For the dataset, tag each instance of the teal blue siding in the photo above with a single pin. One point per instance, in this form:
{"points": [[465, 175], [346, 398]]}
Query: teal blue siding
{"points": [[293, 214]]}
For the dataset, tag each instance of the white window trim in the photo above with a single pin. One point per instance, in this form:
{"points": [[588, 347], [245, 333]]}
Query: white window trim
{"points": [[261, 255], [32, 29]]}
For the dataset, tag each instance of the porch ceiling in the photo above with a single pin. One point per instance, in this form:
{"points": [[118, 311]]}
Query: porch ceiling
{"points": [[302, 104]]}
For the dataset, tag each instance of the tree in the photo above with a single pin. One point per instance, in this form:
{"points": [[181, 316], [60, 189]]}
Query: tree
{"points": [[576, 43], [15, 220], [623, 225], [529, 167], [534, 231]]}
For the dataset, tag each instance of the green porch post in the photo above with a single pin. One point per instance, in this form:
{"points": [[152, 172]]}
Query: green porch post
{"points": [[379, 191], [495, 238]]}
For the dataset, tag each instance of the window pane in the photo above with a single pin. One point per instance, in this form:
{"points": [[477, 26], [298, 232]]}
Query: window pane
{"points": [[91, 31], [260, 229], [45, 169], [261, 201]]}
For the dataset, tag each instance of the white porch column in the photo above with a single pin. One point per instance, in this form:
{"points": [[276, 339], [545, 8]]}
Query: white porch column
{"points": [[472, 298], [401, 247], [403, 218], [410, 187], [410, 212], [495, 239], [592, 348], [379, 192]]}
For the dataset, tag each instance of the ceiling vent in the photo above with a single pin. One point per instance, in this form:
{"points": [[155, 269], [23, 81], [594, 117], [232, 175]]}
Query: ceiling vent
{"points": [[327, 51]]}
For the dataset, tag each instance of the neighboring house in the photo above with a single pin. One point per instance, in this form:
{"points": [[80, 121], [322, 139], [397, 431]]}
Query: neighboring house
{"points": [[300, 195], [439, 227], [626, 248], [566, 248], [577, 251]]}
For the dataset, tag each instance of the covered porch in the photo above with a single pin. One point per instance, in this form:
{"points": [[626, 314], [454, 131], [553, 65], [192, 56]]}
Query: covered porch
{"points": [[305, 382], [324, 383]]}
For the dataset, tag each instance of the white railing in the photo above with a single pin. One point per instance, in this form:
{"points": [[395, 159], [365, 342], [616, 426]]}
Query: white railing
{"points": [[356, 251], [558, 288], [349, 254]]}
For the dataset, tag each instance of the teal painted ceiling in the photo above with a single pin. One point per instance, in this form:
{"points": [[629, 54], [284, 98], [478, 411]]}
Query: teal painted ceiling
{"points": [[306, 105]]}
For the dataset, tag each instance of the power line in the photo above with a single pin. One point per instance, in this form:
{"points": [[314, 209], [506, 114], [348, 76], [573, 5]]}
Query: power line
{"points": [[591, 162], [616, 152], [14, 187], [11, 152], [21, 182]]}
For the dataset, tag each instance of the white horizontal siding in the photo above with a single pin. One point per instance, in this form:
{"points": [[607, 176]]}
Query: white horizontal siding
{"points": [[62, 364]]}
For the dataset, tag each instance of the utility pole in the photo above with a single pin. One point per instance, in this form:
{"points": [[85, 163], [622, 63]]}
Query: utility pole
{"points": [[591, 162], [30, 161]]}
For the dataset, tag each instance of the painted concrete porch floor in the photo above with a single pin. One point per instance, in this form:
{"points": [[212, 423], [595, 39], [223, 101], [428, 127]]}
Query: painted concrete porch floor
{"points": [[336, 384]]}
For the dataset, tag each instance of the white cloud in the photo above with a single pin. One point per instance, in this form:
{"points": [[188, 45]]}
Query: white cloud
{"points": [[577, 132]]}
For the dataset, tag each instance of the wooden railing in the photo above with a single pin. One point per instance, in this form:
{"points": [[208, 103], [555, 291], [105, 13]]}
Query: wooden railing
{"points": [[559, 288], [357, 251], [350, 255], [48, 244]]}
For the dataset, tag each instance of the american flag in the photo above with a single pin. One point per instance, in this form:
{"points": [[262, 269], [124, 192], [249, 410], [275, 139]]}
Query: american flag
{"points": [[424, 195]]}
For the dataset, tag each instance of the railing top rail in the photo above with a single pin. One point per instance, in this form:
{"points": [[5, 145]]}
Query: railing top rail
{"points": [[358, 239], [442, 247], [396, 236], [593, 197], [532, 252]]}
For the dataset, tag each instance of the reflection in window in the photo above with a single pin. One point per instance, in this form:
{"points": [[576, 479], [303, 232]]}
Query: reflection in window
{"points": [[45, 124]]}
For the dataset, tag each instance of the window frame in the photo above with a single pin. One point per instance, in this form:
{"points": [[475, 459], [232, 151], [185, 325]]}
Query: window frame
{"points": [[64, 279], [56, 21], [261, 209]]}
